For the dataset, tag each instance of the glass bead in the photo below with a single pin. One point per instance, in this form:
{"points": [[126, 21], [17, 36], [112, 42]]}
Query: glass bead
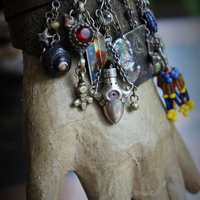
{"points": [[106, 18], [151, 21]]}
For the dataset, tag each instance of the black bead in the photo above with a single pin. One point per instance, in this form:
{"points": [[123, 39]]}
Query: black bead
{"points": [[53, 57]]}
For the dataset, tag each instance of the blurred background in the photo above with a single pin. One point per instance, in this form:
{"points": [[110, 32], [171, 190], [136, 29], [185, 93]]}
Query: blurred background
{"points": [[179, 26]]}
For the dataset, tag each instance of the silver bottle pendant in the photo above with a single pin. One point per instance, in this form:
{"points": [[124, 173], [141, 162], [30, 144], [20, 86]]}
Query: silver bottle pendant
{"points": [[112, 97]]}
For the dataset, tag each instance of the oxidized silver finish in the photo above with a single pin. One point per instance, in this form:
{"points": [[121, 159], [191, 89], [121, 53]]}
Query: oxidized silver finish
{"points": [[45, 37], [112, 97], [125, 52]]}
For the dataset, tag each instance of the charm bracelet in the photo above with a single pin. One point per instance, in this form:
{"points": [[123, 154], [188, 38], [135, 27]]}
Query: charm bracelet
{"points": [[92, 36]]}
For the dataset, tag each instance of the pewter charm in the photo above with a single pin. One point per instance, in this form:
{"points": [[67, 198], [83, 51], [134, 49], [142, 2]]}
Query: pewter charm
{"points": [[81, 33], [112, 97]]}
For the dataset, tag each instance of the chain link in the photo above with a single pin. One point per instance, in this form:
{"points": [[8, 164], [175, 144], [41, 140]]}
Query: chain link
{"points": [[50, 17], [90, 20]]}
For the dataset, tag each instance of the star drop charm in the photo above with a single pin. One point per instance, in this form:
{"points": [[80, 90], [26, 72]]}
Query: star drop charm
{"points": [[44, 37]]}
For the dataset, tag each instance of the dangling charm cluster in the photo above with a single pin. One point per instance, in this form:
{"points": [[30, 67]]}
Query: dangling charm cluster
{"points": [[169, 79], [81, 31], [113, 64], [112, 96], [56, 59]]}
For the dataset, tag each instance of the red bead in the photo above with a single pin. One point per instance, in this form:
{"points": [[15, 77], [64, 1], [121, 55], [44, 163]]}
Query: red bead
{"points": [[84, 34]]}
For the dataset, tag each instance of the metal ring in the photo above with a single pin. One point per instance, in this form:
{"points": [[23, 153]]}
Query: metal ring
{"points": [[78, 70], [134, 96], [54, 6], [51, 15]]}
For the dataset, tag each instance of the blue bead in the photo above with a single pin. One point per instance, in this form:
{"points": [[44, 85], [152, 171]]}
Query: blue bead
{"points": [[169, 80], [176, 70], [151, 22], [167, 76], [172, 73], [162, 73], [176, 76]]}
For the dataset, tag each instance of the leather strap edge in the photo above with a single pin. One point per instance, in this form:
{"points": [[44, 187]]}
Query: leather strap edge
{"points": [[13, 8]]}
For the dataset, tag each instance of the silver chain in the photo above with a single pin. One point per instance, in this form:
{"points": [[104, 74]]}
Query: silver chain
{"points": [[96, 81], [130, 14], [130, 86], [51, 16], [106, 6], [119, 67], [90, 20]]}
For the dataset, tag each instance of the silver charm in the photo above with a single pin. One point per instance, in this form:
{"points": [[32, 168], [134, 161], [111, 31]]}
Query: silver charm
{"points": [[112, 97], [83, 100], [44, 37], [81, 32]]}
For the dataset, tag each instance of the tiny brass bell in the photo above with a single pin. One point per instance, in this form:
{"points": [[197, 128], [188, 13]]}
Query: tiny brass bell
{"points": [[135, 105]]}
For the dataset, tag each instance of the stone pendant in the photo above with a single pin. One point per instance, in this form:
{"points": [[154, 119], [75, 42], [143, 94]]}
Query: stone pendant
{"points": [[100, 49]]}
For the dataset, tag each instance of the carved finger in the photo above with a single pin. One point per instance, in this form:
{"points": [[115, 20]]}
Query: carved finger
{"points": [[49, 149], [189, 171], [173, 176]]}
